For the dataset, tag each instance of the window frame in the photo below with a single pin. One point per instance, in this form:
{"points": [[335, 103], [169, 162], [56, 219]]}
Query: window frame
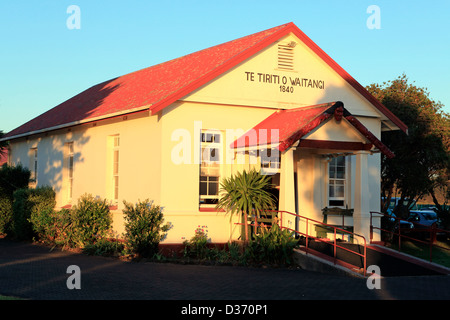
{"points": [[212, 171], [115, 167], [270, 164], [70, 169], [337, 201], [33, 152]]}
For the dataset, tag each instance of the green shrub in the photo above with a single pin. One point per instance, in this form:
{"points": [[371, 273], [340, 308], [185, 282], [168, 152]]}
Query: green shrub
{"points": [[31, 211], [105, 247], [272, 246], [235, 251], [6, 214], [89, 221], [144, 228], [64, 228], [42, 217], [196, 247], [44, 225]]}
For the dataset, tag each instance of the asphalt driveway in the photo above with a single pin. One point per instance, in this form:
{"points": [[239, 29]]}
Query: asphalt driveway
{"points": [[34, 272]]}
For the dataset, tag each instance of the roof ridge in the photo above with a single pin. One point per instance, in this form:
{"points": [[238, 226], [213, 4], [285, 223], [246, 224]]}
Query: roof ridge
{"points": [[289, 24], [155, 87]]}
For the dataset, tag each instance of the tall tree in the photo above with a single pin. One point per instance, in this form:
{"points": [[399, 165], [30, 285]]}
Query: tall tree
{"points": [[421, 164]]}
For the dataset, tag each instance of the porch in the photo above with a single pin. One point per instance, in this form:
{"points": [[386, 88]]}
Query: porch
{"points": [[313, 185], [328, 168]]}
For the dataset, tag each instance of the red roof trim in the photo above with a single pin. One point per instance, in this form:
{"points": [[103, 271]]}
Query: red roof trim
{"points": [[160, 85], [347, 77], [291, 123], [313, 117], [286, 29], [240, 57], [303, 131], [369, 136]]}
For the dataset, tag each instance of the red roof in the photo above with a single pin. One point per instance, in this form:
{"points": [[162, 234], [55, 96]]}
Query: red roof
{"points": [[158, 86], [293, 124]]}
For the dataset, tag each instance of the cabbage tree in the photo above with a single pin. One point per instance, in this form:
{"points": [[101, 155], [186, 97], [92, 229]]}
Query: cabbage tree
{"points": [[244, 193]]}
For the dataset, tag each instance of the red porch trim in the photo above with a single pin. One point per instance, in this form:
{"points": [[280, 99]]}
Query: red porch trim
{"points": [[370, 136], [303, 131], [335, 145], [294, 124]]}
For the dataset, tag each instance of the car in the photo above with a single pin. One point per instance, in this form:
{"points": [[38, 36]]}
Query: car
{"points": [[423, 218], [405, 225], [392, 221], [423, 221]]}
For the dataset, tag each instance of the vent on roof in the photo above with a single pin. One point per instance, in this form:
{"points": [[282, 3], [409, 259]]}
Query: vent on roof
{"points": [[286, 55]]}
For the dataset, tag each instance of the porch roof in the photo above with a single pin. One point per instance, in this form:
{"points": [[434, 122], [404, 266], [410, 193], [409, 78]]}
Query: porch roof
{"points": [[284, 127]]}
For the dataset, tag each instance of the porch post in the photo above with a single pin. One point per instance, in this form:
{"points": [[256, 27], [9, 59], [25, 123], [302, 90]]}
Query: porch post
{"points": [[287, 187], [361, 214]]}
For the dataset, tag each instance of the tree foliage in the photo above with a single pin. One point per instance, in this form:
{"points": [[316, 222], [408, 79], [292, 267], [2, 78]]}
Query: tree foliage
{"points": [[12, 179], [421, 164], [3, 144]]}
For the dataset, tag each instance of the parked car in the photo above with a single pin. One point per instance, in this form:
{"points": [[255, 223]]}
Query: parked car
{"points": [[405, 225], [394, 222], [418, 220], [390, 212], [423, 218]]}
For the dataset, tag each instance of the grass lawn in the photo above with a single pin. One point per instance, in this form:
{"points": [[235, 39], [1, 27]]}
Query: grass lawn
{"points": [[422, 251], [4, 298]]}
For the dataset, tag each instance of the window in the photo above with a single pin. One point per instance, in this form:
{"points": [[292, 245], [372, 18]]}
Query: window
{"points": [[33, 164], [336, 182], [115, 173], [210, 168], [69, 150], [270, 161]]}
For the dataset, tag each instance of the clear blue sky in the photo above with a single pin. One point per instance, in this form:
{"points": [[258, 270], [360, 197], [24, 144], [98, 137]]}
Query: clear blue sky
{"points": [[43, 62]]}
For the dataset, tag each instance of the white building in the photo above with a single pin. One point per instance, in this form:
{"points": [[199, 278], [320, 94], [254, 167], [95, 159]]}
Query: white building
{"points": [[139, 136]]}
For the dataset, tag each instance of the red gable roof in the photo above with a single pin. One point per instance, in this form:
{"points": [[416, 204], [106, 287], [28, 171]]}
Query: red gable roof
{"points": [[293, 124], [286, 122], [158, 86]]}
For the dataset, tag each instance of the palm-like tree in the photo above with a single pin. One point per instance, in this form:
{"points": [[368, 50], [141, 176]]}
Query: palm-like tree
{"points": [[245, 192]]}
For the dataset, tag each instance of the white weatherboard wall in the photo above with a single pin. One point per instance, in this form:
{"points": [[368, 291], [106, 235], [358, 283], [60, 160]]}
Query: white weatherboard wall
{"points": [[139, 160]]}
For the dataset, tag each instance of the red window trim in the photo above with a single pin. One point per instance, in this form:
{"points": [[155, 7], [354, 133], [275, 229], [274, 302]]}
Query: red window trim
{"points": [[210, 210]]}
